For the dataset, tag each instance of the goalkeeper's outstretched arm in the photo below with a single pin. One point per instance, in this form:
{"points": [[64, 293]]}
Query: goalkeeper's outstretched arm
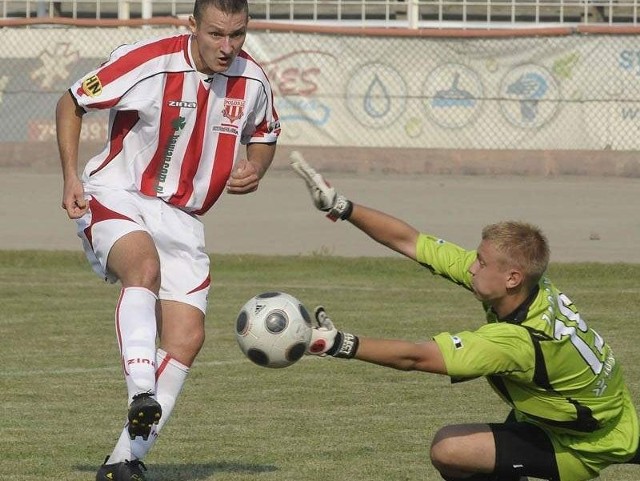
{"points": [[326, 340], [385, 229], [381, 227]]}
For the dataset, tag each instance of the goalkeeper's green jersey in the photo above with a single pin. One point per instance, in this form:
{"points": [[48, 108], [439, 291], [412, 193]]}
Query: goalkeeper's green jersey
{"points": [[543, 360]]}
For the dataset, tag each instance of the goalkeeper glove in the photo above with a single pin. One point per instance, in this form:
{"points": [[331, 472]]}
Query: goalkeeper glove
{"points": [[324, 196], [327, 340]]}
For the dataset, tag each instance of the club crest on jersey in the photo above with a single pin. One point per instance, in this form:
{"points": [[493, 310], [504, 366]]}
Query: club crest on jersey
{"points": [[233, 109], [91, 86]]}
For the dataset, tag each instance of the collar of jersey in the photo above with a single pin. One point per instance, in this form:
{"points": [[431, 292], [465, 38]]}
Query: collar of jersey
{"points": [[519, 315]]}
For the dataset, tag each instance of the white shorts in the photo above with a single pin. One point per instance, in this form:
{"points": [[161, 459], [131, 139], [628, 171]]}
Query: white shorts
{"points": [[178, 236]]}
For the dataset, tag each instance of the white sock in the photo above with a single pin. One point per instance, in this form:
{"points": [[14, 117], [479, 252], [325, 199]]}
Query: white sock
{"points": [[136, 329], [171, 376]]}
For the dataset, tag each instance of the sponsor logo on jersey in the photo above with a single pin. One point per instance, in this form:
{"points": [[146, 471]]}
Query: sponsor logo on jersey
{"points": [[182, 104], [457, 342], [178, 124], [225, 129], [233, 109], [92, 86]]}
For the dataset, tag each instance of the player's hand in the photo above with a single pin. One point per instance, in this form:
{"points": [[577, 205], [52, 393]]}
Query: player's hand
{"points": [[73, 200], [323, 335], [243, 179], [327, 340], [324, 197]]}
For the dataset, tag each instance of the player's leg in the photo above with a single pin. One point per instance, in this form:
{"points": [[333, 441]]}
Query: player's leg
{"points": [[459, 451], [493, 452], [181, 331], [135, 261], [119, 247], [524, 449], [183, 334], [183, 293]]}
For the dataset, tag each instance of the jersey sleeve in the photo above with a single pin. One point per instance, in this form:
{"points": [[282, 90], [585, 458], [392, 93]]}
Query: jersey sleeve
{"points": [[494, 349], [127, 67], [445, 259], [264, 124], [265, 127]]}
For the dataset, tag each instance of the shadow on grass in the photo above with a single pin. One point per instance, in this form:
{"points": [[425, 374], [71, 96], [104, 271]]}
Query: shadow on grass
{"points": [[193, 472]]}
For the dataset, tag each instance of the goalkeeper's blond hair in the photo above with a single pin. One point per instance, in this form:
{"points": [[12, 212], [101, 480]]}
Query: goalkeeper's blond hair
{"points": [[523, 245]]}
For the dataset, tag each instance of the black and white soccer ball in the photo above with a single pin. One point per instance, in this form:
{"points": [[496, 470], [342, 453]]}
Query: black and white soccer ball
{"points": [[273, 329]]}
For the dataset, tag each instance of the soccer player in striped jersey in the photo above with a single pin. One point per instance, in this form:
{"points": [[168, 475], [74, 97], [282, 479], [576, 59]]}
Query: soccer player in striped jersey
{"points": [[572, 414], [180, 109]]}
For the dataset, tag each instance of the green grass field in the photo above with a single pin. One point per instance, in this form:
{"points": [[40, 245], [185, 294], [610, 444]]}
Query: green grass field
{"points": [[63, 397]]}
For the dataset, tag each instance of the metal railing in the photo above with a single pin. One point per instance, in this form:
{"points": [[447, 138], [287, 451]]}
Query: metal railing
{"points": [[398, 13]]}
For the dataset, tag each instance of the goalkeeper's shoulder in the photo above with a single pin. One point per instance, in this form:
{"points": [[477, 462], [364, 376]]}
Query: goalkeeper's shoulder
{"points": [[445, 258]]}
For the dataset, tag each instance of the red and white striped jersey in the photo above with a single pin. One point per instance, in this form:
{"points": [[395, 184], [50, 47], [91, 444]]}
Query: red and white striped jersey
{"points": [[175, 133]]}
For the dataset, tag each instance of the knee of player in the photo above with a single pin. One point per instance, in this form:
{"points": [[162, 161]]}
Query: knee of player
{"points": [[184, 347], [196, 341], [444, 452], [144, 273]]}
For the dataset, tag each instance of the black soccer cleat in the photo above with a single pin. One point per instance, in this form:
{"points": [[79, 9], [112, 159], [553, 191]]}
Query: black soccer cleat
{"points": [[124, 471], [144, 412]]}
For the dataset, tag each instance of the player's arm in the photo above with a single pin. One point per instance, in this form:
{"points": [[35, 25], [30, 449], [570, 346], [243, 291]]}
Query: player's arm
{"points": [[246, 176], [403, 355], [383, 228], [397, 354], [68, 126]]}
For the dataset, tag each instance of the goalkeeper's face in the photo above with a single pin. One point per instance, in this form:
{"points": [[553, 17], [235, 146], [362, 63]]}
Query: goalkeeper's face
{"points": [[217, 39], [491, 277]]}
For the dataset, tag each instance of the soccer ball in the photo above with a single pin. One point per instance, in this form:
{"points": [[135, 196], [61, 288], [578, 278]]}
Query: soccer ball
{"points": [[273, 329]]}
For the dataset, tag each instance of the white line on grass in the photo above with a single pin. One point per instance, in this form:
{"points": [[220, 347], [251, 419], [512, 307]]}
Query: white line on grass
{"points": [[66, 371]]}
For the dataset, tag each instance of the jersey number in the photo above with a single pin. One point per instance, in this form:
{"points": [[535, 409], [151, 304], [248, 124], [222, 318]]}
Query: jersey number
{"points": [[577, 332]]}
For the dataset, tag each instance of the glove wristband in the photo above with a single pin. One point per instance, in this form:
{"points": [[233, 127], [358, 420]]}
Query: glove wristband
{"points": [[345, 345], [341, 209]]}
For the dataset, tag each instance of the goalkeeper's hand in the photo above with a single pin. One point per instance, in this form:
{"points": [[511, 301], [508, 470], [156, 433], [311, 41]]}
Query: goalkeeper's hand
{"points": [[323, 195], [327, 340]]}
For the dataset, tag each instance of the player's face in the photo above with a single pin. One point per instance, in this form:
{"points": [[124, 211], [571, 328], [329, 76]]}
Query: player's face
{"points": [[490, 275], [218, 39]]}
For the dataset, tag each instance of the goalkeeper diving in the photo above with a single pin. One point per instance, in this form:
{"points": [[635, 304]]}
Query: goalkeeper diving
{"points": [[571, 412]]}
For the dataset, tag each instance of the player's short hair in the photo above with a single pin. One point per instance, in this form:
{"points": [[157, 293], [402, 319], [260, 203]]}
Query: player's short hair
{"points": [[226, 6], [523, 245]]}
